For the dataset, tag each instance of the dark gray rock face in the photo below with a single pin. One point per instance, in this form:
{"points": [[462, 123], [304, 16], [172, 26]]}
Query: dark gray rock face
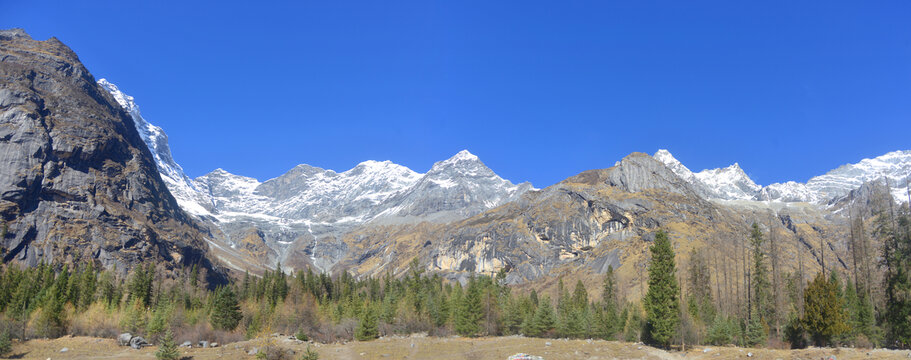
{"points": [[77, 181], [639, 171]]}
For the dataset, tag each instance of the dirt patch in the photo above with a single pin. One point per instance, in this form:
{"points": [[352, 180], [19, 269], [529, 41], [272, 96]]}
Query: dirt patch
{"points": [[421, 347]]}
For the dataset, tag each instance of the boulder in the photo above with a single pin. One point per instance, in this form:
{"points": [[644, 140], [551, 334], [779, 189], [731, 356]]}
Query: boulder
{"points": [[137, 342], [124, 339]]}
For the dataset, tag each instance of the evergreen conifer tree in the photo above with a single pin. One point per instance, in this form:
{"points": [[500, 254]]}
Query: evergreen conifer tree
{"points": [[225, 309], [367, 328], [544, 320], [824, 315], [662, 301], [168, 348], [469, 314]]}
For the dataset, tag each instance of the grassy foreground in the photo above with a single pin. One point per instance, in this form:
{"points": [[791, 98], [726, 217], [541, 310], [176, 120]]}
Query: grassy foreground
{"points": [[420, 347]]}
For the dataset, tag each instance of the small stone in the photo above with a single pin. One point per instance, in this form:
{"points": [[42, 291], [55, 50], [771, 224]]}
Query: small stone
{"points": [[363, 354], [639, 348], [253, 351], [749, 354], [706, 350], [214, 344], [186, 344], [547, 344], [64, 349]]}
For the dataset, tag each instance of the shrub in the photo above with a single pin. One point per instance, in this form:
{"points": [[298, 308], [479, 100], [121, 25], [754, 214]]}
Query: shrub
{"points": [[98, 321], [300, 335], [309, 354], [274, 352]]}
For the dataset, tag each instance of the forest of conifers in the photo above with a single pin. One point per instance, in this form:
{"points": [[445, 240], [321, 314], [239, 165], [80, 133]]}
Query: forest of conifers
{"points": [[834, 308]]}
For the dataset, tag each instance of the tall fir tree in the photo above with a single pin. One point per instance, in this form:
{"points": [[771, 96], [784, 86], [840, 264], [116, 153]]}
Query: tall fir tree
{"points": [[759, 279], [609, 323], [895, 231], [470, 312], [367, 328], [226, 309], [544, 320], [662, 301]]}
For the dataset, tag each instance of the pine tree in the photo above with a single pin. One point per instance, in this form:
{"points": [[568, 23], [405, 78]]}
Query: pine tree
{"points": [[225, 310], [722, 332], [367, 328], [6, 345], [896, 234], [662, 302], [168, 348], [824, 315], [544, 320], [580, 296], [609, 323], [469, 314], [573, 324], [756, 333], [759, 279], [794, 332]]}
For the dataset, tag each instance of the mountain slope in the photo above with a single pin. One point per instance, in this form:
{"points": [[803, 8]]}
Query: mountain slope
{"points": [[579, 227], [78, 181], [299, 217]]}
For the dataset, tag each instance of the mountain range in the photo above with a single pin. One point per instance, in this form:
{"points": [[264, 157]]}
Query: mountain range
{"points": [[111, 171], [283, 219]]}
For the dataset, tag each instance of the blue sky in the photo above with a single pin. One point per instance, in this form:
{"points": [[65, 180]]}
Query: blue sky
{"points": [[538, 90]]}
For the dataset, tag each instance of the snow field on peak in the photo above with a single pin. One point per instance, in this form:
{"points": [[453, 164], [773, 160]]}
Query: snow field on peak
{"points": [[732, 183]]}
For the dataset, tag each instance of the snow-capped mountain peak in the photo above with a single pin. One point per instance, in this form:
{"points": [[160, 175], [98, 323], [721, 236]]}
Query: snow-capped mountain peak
{"points": [[463, 155], [675, 165], [732, 182], [182, 188]]}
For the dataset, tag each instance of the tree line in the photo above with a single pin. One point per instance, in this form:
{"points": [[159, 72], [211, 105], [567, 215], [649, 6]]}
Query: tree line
{"points": [[834, 308]]}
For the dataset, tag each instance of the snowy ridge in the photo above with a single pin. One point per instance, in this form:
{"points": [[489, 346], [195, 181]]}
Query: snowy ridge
{"points": [[894, 166], [361, 194], [732, 183], [182, 188], [460, 185]]}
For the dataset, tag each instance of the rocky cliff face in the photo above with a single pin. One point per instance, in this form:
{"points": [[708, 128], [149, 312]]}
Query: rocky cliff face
{"points": [[579, 227], [77, 182]]}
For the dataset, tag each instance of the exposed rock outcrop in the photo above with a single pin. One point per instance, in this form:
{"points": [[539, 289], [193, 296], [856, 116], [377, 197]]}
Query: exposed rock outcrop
{"points": [[78, 183]]}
